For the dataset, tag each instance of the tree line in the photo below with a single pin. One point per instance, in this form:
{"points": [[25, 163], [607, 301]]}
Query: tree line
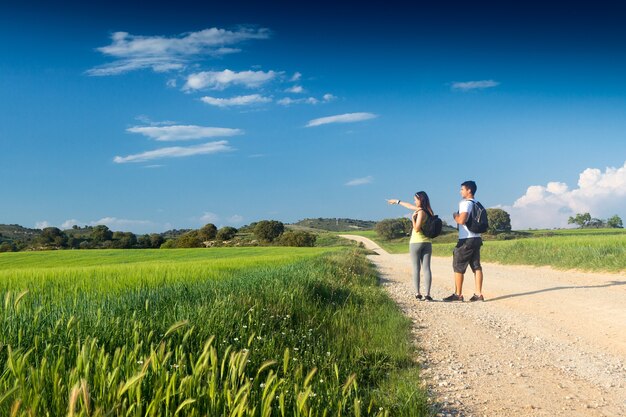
{"points": [[584, 221], [265, 232]]}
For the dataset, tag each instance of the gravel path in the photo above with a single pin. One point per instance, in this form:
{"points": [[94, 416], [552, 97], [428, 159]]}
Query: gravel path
{"points": [[545, 342]]}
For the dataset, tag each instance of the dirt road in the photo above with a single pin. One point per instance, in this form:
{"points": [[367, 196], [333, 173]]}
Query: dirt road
{"points": [[544, 343]]}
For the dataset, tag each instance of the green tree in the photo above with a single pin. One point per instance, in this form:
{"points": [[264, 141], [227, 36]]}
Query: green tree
{"points": [[52, 237], [207, 232], [581, 219], [268, 230], [298, 238], [190, 240], [499, 221], [615, 222], [156, 240], [226, 233], [124, 240], [101, 234], [7, 247], [393, 228]]}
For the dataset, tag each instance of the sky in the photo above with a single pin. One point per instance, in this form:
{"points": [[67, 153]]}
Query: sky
{"points": [[180, 114]]}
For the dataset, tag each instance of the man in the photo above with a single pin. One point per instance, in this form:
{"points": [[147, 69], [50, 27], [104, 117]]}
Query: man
{"points": [[467, 250]]}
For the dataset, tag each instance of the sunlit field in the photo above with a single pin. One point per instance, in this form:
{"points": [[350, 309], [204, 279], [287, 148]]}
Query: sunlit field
{"points": [[202, 332], [584, 249]]}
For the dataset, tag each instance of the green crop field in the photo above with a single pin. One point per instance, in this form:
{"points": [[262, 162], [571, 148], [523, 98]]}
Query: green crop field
{"points": [[602, 250], [202, 332]]}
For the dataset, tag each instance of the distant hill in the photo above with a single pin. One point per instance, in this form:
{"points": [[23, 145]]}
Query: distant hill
{"points": [[15, 232], [336, 224]]}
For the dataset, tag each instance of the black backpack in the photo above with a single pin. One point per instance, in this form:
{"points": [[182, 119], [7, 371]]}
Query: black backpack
{"points": [[477, 221], [432, 226]]}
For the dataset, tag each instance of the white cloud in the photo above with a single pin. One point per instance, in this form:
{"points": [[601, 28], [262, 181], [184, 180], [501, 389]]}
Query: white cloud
{"points": [[236, 101], [183, 132], [175, 152], [42, 225], [219, 80], [209, 217], [474, 85], [296, 77], [602, 194], [114, 223], [296, 89], [69, 223], [235, 219], [161, 54], [360, 181], [341, 118], [289, 101]]}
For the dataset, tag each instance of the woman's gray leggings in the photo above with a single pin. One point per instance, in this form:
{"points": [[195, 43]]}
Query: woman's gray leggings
{"points": [[420, 256]]}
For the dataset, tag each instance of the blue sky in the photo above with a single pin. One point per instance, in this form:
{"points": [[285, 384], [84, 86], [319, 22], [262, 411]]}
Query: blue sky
{"points": [[147, 119]]}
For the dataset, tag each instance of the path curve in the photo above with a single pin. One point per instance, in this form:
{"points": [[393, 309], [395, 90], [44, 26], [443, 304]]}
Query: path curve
{"points": [[545, 343]]}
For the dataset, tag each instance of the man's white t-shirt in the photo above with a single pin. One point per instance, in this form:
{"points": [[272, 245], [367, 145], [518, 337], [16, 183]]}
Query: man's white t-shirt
{"points": [[465, 206]]}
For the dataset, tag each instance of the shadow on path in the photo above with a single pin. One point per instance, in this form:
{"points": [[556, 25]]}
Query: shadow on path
{"points": [[608, 284]]}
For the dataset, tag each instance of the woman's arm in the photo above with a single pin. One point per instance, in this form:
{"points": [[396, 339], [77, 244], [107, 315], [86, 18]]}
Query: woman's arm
{"points": [[403, 204], [417, 219]]}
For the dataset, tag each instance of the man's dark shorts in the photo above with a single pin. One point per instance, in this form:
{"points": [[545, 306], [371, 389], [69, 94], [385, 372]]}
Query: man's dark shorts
{"points": [[467, 252]]}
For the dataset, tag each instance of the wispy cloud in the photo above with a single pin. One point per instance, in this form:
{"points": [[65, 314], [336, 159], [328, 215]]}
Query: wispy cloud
{"points": [[209, 217], [602, 194], [360, 181], [183, 132], [296, 89], [287, 101], [216, 219], [296, 77], [42, 224], [341, 118], [162, 54], [176, 152], [474, 85], [236, 101], [219, 80]]}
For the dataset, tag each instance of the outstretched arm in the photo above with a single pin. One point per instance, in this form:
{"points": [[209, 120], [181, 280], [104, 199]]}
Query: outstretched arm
{"points": [[403, 204]]}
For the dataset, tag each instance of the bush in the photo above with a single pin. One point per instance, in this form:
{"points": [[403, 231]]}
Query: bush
{"points": [[190, 240], [298, 238], [207, 232], [226, 233], [268, 230], [7, 247], [393, 228]]}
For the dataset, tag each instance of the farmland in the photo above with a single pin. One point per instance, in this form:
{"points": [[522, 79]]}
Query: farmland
{"points": [[195, 332]]}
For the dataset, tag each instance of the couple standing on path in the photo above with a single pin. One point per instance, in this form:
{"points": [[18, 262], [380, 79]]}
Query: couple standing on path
{"points": [[466, 252]]}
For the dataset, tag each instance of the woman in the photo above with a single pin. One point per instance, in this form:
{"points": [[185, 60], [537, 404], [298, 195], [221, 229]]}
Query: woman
{"points": [[420, 246]]}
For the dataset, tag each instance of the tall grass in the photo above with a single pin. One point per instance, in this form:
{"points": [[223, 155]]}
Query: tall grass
{"points": [[258, 332], [588, 253], [583, 249]]}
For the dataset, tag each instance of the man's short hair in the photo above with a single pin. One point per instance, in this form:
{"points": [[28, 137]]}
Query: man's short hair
{"points": [[470, 185]]}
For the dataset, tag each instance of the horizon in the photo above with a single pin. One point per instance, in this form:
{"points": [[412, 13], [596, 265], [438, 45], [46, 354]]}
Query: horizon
{"points": [[148, 120]]}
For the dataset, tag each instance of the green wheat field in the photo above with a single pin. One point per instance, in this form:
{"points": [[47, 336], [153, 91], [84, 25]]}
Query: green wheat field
{"points": [[202, 332]]}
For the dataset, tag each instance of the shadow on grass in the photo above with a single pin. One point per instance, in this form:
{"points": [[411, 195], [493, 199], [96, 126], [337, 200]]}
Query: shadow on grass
{"points": [[580, 287]]}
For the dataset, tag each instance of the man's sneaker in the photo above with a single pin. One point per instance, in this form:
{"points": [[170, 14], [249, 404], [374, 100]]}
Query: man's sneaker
{"points": [[477, 298], [418, 296], [428, 298], [454, 297]]}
